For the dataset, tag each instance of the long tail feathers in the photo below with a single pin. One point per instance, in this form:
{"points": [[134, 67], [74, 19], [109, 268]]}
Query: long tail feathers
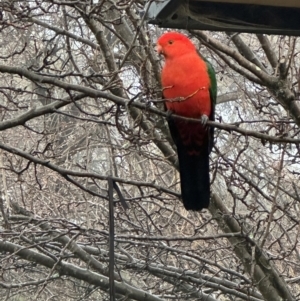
{"points": [[193, 162], [194, 176]]}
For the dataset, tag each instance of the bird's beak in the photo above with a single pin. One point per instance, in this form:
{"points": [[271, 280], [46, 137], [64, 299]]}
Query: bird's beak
{"points": [[159, 49]]}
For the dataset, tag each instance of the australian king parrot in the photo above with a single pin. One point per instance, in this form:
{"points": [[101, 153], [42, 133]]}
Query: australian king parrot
{"points": [[190, 90]]}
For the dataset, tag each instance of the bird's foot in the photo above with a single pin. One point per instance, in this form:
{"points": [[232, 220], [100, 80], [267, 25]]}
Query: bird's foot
{"points": [[204, 119]]}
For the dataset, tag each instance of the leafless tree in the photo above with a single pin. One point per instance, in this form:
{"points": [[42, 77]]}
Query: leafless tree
{"points": [[83, 127]]}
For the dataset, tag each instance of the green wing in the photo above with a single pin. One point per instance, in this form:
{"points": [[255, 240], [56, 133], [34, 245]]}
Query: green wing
{"points": [[213, 82], [213, 98]]}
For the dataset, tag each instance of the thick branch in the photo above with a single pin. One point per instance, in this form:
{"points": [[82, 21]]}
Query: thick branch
{"points": [[267, 47], [246, 51]]}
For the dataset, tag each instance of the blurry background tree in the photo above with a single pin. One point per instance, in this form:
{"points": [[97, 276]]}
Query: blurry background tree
{"points": [[81, 103]]}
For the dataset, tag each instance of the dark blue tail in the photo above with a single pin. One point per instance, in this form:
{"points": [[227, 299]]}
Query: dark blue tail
{"points": [[193, 158], [194, 177]]}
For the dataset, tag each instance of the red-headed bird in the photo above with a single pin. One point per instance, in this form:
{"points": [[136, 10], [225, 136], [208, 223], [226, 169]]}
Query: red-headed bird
{"points": [[190, 90]]}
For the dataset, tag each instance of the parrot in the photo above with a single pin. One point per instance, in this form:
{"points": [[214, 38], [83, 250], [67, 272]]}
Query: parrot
{"points": [[189, 89]]}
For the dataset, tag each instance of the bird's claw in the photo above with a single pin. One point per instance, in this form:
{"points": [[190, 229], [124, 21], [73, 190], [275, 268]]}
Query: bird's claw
{"points": [[204, 119]]}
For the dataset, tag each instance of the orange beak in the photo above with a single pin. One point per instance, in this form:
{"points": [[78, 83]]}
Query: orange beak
{"points": [[159, 49]]}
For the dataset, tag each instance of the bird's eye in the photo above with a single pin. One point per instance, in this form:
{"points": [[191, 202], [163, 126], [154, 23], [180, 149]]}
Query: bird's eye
{"points": [[171, 42]]}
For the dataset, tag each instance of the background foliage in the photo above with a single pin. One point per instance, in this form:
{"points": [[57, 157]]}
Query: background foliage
{"points": [[80, 103]]}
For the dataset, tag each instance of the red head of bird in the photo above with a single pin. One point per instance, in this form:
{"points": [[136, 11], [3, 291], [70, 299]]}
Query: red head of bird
{"points": [[173, 44]]}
